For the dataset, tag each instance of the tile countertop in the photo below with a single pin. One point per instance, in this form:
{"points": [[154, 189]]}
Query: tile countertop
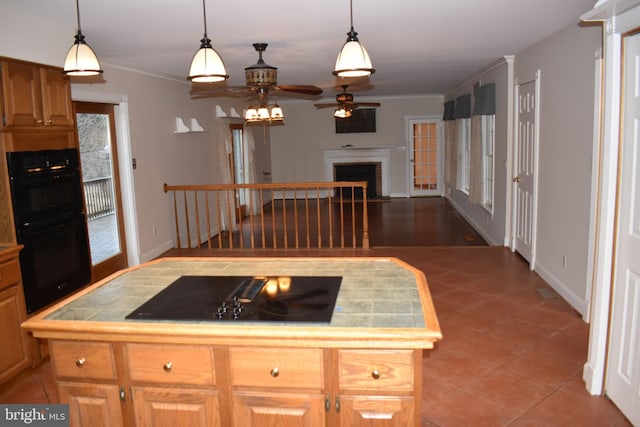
{"points": [[375, 292]]}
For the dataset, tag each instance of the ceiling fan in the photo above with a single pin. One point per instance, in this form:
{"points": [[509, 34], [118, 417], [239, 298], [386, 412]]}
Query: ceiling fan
{"points": [[261, 79], [345, 104]]}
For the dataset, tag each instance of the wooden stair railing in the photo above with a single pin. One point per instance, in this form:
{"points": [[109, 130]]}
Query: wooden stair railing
{"points": [[273, 216]]}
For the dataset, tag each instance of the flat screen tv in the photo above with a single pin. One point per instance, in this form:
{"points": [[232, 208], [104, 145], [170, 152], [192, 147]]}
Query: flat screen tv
{"points": [[361, 120]]}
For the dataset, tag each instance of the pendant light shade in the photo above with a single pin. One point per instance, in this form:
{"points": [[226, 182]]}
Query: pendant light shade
{"points": [[207, 65], [81, 60], [353, 59]]}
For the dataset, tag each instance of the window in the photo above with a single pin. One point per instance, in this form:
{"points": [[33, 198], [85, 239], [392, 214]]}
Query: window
{"points": [[488, 161], [464, 158]]}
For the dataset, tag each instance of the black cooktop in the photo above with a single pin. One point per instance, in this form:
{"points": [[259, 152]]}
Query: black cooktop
{"points": [[290, 298]]}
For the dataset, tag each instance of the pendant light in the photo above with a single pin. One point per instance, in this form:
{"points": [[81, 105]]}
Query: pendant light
{"points": [[353, 59], [81, 60], [206, 65]]}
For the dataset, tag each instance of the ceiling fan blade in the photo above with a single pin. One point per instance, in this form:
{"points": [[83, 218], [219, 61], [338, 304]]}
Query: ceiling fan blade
{"points": [[326, 105], [366, 104], [304, 89]]}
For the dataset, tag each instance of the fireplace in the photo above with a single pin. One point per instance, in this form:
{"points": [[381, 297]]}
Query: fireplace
{"points": [[371, 173], [378, 156]]}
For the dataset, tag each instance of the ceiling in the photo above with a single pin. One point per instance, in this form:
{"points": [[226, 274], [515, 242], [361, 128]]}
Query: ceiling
{"points": [[416, 46]]}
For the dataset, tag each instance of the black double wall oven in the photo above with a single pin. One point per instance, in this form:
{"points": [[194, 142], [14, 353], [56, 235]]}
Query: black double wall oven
{"points": [[46, 191]]}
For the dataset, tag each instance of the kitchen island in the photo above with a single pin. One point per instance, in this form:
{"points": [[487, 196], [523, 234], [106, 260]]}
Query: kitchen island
{"points": [[363, 367]]}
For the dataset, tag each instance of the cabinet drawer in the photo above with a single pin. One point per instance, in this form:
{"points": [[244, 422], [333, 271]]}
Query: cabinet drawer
{"points": [[171, 364], [9, 273], [277, 367], [84, 360], [388, 370]]}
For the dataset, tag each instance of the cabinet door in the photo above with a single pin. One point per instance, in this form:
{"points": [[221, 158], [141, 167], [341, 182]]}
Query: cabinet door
{"points": [[92, 405], [56, 98], [171, 407], [251, 408], [15, 353], [377, 411], [21, 95]]}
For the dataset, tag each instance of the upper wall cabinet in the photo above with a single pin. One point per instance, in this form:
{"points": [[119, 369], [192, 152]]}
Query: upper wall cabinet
{"points": [[35, 96]]}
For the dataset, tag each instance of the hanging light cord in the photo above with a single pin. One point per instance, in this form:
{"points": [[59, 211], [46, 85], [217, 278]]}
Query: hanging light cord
{"points": [[204, 18], [351, 13], [78, 13]]}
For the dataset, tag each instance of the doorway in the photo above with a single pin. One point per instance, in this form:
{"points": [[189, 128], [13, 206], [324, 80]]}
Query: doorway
{"points": [[425, 157], [99, 164]]}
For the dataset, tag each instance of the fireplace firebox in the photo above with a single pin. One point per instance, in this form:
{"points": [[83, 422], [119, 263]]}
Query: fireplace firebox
{"points": [[365, 171]]}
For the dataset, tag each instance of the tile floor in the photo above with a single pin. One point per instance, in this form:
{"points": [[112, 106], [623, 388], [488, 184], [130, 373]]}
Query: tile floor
{"points": [[509, 357]]}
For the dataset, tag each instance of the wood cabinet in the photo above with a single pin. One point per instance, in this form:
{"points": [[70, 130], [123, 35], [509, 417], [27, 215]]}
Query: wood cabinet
{"points": [[157, 384], [16, 345], [35, 96]]}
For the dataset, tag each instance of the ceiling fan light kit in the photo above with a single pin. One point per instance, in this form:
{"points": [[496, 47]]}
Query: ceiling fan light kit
{"points": [[353, 59], [342, 113], [267, 114], [207, 65], [81, 60]]}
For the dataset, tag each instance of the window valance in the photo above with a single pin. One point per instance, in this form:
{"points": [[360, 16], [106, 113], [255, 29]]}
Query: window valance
{"points": [[449, 111], [485, 100], [463, 106]]}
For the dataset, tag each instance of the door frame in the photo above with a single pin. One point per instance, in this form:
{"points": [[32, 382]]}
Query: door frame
{"points": [[440, 154], [617, 19], [119, 260], [514, 162], [125, 160]]}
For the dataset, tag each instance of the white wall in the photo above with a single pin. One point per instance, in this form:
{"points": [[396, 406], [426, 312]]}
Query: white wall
{"points": [[297, 148], [567, 64], [491, 225]]}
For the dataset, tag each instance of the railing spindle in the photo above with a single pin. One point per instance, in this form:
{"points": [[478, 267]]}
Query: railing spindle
{"points": [[284, 219], [198, 236], [295, 218], [206, 200], [186, 215], [273, 219], [264, 241]]}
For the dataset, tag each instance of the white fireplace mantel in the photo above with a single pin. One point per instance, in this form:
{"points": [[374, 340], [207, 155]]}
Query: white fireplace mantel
{"points": [[359, 155]]}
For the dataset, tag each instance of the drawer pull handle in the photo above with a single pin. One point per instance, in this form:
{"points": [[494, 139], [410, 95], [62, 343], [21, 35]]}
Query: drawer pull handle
{"points": [[375, 374], [167, 367], [275, 372], [80, 362]]}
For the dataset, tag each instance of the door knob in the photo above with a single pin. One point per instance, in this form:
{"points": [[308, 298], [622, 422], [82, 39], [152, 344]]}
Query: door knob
{"points": [[516, 179]]}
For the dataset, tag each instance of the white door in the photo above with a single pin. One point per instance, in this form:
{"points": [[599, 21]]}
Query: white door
{"points": [[524, 178], [425, 172], [623, 370]]}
